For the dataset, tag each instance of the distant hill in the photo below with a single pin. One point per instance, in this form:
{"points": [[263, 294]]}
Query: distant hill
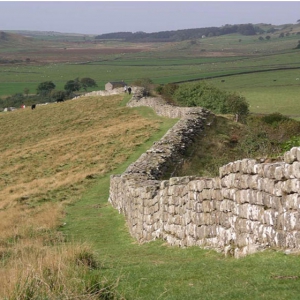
{"points": [[6, 37], [161, 36], [184, 34], [32, 33]]}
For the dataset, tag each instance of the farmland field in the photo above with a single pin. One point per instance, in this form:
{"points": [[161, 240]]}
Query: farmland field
{"points": [[267, 92], [248, 66]]}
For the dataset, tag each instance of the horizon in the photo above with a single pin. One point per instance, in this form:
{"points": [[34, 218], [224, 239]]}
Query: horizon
{"points": [[101, 17], [77, 33]]}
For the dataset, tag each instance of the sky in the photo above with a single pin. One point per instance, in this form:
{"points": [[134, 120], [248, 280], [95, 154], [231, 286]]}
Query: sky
{"points": [[98, 17]]}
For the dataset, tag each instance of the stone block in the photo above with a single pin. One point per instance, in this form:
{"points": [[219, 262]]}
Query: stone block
{"points": [[241, 226], [295, 185], [279, 173], [252, 182], [243, 166], [207, 206], [296, 169], [202, 232], [236, 166], [270, 217], [280, 239], [258, 169], [295, 151], [205, 194], [287, 186], [291, 202], [289, 157], [242, 240]]}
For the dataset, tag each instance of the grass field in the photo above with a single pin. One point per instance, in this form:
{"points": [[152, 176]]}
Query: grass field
{"points": [[266, 92]]}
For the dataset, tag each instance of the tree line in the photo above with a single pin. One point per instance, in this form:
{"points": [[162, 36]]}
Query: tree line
{"points": [[183, 34], [46, 92]]}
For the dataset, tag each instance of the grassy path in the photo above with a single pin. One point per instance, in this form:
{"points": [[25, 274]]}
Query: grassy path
{"points": [[157, 271]]}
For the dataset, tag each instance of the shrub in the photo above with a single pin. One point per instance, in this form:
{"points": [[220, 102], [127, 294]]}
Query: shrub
{"points": [[45, 87], [210, 97], [146, 83], [167, 91], [293, 142], [56, 95], [274, 118]]}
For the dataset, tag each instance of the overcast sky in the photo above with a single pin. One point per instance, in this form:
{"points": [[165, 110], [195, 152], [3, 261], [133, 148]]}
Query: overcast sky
{"points": [[97, 17]]}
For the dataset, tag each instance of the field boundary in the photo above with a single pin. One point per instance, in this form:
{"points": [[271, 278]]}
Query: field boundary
{"points": [[238, 73]]}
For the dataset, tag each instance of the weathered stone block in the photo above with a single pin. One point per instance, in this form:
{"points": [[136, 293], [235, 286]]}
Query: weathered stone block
{"points": [[270, 217], [289, 157], [296, 169]]}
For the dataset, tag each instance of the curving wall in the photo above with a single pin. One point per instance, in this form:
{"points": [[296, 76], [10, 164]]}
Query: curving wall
{"points": [[251, 206]]}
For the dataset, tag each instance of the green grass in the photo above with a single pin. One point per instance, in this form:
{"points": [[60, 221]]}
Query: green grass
{"points": [[266, 92]]}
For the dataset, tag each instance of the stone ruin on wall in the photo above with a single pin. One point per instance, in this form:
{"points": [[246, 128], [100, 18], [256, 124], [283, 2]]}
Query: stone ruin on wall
{"points": [[251, 206]]}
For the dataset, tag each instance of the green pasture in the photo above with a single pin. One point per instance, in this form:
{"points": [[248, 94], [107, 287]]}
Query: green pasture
{"points": [[148, 61], [266, 92], [248, 66], [13, 79], [250, 44]]}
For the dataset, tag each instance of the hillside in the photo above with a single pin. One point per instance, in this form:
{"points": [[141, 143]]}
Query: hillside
{"points": [[12, 38], [49, 157], [196, 33]]}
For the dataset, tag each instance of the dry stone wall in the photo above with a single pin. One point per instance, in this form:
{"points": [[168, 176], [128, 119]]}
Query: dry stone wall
{"points": [[251, 206]]}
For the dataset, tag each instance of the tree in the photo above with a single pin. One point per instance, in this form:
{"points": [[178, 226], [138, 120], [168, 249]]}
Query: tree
{"points": [[45, 88], [238, 106], [87, 82], [26, 91], [56, 95], [246, 29], [72, 85], [268, 37]]}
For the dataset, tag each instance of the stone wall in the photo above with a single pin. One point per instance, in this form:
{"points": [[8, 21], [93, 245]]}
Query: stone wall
{"points": [[251, 206]]}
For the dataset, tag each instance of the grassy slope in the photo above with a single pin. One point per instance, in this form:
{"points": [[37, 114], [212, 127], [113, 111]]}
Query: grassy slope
{"points": [[49, 156]]}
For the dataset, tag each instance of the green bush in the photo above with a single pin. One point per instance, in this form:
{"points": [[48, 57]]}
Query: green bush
{"points": [[210, 97], [293, 142], [146, 83], [274, 118]]}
